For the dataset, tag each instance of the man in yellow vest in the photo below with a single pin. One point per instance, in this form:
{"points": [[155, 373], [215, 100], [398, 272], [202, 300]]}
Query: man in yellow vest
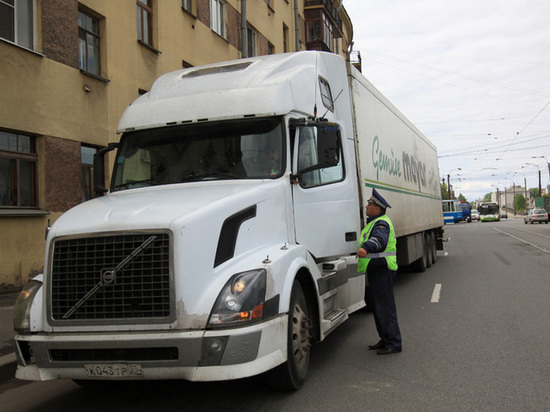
{"points": [[377, 257]]}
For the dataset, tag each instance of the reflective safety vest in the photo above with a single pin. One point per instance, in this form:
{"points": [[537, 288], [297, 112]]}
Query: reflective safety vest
{"points": [[390, 253]]}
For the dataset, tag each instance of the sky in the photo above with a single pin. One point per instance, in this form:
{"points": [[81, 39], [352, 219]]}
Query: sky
{"points": [[473, 76]]}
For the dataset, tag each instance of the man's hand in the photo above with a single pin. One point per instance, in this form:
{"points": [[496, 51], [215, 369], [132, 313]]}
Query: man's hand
{"points": [[361, 253]]}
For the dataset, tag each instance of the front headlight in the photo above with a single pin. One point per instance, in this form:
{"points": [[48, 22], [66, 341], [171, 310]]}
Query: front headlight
{"points": [[22, 308], [241, 299]]}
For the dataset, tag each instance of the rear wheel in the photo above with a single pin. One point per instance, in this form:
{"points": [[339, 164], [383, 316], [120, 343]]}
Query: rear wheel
{"points": [[434, 247], [420, 265], [292, 374], [428, 243]]}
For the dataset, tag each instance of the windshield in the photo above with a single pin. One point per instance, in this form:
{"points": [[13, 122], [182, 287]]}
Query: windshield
{"points": [[237, 149], [488, 209]]}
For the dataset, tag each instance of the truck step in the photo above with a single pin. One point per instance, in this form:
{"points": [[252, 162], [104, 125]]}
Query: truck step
{"points": [[333, 319]]}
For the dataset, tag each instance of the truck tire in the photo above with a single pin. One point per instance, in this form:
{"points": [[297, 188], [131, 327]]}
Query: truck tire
{"points": [[428, 249], [420, 265], [434, 247], [291, 375]]}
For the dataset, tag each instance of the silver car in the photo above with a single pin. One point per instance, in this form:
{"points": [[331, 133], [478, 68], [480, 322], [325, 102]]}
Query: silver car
{"points": [[536, 215]]}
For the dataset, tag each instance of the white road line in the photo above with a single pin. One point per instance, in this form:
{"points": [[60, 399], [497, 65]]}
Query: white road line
{"points": [[524, 241], [436, 293], [532, 233]]}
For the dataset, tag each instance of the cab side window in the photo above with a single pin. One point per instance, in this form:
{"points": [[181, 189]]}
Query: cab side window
{"points": [[307, 157]]}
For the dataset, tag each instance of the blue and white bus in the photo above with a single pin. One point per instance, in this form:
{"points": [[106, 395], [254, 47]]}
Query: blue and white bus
{"points": [[452, 211]]}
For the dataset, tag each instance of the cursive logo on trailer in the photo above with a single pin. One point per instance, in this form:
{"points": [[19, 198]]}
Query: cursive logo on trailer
{"points": [[408, 167]]}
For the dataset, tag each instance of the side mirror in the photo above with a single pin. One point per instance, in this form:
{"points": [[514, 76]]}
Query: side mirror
{"points": [[99, 169], [328, 145]]}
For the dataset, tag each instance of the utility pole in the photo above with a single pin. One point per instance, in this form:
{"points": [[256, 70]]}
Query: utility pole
{"points": [[547, 163]]}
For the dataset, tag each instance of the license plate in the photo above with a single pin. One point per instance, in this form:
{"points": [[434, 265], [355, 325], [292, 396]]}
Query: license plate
{"points": [[113, 370]]}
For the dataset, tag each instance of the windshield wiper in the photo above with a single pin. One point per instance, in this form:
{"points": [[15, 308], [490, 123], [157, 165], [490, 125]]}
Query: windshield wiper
{"points": [[131, 182], [205, 176]]}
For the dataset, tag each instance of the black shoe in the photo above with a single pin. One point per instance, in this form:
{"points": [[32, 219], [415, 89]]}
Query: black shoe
{"points": [[379, 345], [388, 351]]}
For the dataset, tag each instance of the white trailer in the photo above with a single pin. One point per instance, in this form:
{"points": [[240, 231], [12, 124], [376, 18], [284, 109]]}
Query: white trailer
{"points": [[225, 244], [401, 163]]}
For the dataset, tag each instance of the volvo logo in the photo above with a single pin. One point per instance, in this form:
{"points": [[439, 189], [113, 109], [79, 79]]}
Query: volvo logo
{"points": [[108, 276]]}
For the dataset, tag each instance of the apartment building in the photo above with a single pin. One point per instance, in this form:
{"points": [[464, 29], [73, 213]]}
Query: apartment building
{"points": [[69, 68]]}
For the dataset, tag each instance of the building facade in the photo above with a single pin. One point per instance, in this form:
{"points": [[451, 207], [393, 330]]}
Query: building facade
{"points": [[69, 68], [506, 198]]}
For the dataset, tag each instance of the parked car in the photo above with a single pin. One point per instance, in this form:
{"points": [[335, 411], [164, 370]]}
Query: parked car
{"points": [[475, 214], [504, 215], [536, 215]]}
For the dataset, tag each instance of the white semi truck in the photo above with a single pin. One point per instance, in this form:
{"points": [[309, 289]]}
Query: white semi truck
{"points": [[225, 244]]}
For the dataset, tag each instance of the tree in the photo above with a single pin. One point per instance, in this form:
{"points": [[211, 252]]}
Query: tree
{"points": [[533, 192], [519, 202], [488, 197], [461, 198], [444, 191]]}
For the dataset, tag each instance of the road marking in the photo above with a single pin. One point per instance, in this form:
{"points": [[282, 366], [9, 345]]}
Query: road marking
{"points": [[524, 241], [436, 293], [533, 233]]}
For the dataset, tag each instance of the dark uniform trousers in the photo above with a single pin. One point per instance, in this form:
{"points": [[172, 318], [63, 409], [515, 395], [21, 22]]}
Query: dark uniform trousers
{"points": [[381, 281]]}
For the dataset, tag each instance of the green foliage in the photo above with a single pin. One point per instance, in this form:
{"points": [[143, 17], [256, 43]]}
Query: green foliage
{"points": [[461, 197], [519, 203], [444, 191], [534, 192], [487, 197]]}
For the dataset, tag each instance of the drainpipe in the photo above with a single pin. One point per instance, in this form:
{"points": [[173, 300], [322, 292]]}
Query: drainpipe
{"points": [[296, 26], [244, 35]]}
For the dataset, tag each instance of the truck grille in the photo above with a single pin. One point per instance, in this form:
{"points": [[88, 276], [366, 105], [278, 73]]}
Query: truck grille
{"points": [[103, 278]]}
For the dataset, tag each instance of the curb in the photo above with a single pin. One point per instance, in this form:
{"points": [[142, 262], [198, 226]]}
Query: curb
{"points": [[8, 365]]}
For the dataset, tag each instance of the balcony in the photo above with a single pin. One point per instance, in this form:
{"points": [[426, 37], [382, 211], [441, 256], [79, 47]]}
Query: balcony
{"points": [[330, 9]]}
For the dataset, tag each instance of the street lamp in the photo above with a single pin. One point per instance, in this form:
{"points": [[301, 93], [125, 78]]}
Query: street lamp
{"points": [[540, 189], [525, 184], [449, 181], [513, 194], [505, 196], [498, 196], [547, 163]]}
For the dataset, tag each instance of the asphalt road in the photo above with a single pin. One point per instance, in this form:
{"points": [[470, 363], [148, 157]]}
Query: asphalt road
{"points": [[480, 344]]}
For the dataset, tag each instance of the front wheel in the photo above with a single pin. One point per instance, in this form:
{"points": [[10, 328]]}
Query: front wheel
{"points": [[291, 375]]}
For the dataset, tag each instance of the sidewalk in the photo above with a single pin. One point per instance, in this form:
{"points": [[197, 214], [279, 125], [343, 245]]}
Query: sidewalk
{"points": [[7, 355]]}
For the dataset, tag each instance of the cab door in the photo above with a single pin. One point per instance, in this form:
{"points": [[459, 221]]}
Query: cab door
{"points": [[326, 208]]}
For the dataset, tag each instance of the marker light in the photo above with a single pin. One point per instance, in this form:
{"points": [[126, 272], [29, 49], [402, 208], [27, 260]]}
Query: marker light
{"points": [[22, 307]]}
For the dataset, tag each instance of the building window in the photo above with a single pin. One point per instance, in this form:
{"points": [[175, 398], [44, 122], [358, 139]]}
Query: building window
{"points": [[18, 160], [217, 17], [17, 22], [145, 22], [251, 42], [187, 5], [270, 48], [319, 31], [88, 43], [87, 168]]}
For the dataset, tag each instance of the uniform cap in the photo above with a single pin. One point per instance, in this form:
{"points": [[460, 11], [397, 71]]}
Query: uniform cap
{"points": [[378, 199]]}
